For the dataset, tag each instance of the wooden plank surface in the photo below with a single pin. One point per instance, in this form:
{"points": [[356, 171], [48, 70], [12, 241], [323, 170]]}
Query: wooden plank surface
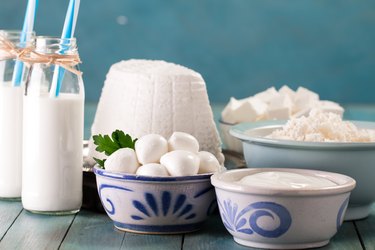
{"points": [[92, 231], [366, 229], [212, 236], [31, 231], [152, 242], [9, 211], [345, 239]]}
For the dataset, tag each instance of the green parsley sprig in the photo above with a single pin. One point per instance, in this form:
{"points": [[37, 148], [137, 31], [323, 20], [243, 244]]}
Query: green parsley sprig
{"points": [[110, 144]]}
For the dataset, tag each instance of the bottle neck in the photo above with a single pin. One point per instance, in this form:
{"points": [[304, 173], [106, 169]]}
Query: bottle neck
{"points": [[53, 45], [15, 36]]}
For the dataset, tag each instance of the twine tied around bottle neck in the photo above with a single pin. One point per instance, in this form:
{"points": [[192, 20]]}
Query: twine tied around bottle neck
{"points": [[28, 55]]}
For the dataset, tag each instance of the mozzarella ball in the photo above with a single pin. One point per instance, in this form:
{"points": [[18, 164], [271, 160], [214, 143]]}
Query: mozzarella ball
{"points": [[183, 141], [150, 148], [208, 163], [152, 169], [180, 163], [123, 160]]}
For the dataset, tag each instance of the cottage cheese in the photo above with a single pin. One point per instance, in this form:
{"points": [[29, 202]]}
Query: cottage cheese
{"points": [[321, 126]]}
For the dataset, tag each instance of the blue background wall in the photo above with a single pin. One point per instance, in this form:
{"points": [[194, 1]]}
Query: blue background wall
{"points": [[239, 46]]}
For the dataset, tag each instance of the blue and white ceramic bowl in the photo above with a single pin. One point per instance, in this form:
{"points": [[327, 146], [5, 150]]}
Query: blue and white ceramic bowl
{"points": [[156, 205], [281, 219]]}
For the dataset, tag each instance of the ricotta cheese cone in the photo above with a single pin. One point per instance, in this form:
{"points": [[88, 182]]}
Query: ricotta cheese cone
{"points": [[144, 96]]}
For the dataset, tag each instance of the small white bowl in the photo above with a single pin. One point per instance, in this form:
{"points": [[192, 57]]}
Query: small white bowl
{"points": [[229, 141], [156, 205], [281, 219], [353, 159]]}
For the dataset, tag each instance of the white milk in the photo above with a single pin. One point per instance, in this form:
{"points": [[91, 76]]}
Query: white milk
{"points": [[52, 158], [278, 179], [10, 140]]}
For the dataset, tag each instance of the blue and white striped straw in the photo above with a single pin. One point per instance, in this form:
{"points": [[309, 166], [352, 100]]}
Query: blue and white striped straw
{"points": [[68, 32], [27, 29]]}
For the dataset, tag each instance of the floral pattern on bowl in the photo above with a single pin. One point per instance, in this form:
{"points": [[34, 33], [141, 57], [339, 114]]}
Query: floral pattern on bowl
{"points": [[156, 205]]}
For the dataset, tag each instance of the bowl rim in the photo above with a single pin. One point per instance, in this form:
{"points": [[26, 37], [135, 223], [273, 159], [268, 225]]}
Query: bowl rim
{"points": [[246, 132], [227, 180], [253, 124], [142, 178]]}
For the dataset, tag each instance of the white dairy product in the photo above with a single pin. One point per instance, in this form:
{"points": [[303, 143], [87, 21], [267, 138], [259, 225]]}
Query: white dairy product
{"points": [[304, 98], [208, 163], [321, 126], [143, 97], [228, 115], [277, 105], [180, 163], [245, 110], [149, 148], [328, 106], [183, 141], [251, 109], [286, 180], [123, 160], [10, 140], [280, 107], [267, 95], [152, 169], [286, 91], [52, 158]]}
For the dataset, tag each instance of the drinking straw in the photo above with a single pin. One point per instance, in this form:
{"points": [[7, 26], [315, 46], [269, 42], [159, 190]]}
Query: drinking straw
{"points": [[68, 32], [28, 26]]}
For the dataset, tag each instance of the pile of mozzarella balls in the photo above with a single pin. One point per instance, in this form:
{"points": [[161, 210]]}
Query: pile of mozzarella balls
{"points": [[156, 156]]}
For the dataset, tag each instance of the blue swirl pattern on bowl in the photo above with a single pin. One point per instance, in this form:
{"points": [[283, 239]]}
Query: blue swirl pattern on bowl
{"points": [[246, 220], [340, 214]]}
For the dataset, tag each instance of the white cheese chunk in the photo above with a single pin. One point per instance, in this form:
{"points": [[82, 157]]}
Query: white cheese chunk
{"points": [[123, 160], [208, 163], [181, 163], [280, 107], [267, 95], [152, 169], [150, 148]]}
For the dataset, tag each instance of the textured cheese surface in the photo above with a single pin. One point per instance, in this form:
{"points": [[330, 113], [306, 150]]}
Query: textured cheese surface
{"points": [[143, 96], [320, 126], [276, 105]]}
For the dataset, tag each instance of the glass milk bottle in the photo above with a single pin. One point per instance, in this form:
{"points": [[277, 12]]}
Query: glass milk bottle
{"points": [[53, 134], [11, 94]]}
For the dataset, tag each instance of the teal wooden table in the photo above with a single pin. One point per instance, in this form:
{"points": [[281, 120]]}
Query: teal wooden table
{"points": [[20, 229]]}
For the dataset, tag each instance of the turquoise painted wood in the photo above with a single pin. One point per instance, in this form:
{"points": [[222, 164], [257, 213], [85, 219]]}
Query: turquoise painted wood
{"points": [[89, 230], [152, 242], [92, 231], [366, 229], [32, 231], [346, 238], [212, 236], [9, 211]]}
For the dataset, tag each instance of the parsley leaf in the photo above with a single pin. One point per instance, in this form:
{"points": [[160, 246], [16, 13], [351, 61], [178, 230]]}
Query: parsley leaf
{"points": [[100, 162], [109, 144]]}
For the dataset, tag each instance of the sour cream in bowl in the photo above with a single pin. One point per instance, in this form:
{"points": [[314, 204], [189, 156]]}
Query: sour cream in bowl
{"points": [[282, 208]]}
